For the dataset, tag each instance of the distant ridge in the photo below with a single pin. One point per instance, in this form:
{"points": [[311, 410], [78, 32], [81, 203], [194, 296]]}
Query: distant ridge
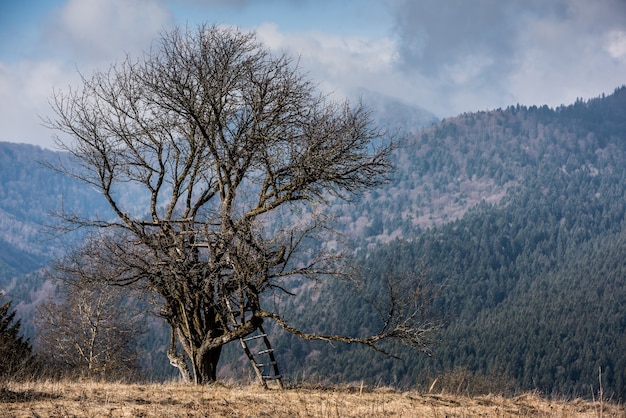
{"points": [[394, 114]]}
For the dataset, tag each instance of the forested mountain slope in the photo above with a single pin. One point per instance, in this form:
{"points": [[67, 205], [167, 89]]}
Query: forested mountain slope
{"points": [[29, 193], [519, 216], [516, 214], [454, 165]]}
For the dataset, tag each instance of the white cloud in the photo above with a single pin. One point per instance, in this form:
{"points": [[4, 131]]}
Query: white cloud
{"points": [[561, 59], [616, 44], [105, 29], [81, 35], [467, 68], [24, 91], [340, 64]]}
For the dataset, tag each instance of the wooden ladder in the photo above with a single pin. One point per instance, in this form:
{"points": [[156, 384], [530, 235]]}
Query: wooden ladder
{"points": [[261, 355]]}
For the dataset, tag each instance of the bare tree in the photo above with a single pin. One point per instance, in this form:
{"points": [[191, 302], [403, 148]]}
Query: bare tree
{"points": [[238, 154], [89, 326]]}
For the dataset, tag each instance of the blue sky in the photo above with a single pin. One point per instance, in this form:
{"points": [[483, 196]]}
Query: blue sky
{"points": [[446, 56]]}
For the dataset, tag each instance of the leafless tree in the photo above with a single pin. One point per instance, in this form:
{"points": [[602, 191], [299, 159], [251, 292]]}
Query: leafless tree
{"points": [[238, 154], [88, 326]]}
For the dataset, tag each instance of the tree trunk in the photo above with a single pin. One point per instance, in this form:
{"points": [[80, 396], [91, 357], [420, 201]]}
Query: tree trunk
{"points": [[178, 361], [205, 366]]}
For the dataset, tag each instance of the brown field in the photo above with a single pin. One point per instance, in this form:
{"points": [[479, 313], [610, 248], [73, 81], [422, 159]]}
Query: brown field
{"points": [[88, 399]]}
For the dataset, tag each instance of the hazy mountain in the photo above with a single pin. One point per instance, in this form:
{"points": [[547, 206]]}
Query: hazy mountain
{"points": [[395, 116], [452, 166], [28, 195]]}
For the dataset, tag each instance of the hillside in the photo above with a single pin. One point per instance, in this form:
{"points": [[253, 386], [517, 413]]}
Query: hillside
{"points": [[517, 216], [454, 165], [29, 194]]}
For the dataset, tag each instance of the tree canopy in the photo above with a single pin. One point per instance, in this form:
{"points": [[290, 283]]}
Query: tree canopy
{"points": [[237, 153]]}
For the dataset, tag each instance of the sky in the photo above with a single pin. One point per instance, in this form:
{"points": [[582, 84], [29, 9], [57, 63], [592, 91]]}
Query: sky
{"points": [[445, 56]]}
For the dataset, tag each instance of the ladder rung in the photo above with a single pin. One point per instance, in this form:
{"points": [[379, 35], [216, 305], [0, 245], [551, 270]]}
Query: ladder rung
{"points": [[269, 350], [254, 337], [267, 377], [271, 363]]}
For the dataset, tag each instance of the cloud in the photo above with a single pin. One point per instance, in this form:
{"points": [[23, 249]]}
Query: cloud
{"points": [[80, 35], [447, 56], [616, 44], [341, 64], [434, 34], [493, 53], [24, 89], [104, 29], [577, 55]]}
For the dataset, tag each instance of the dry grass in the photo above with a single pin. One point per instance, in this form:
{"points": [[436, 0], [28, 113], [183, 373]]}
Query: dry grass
{"points": [[88, 399]]}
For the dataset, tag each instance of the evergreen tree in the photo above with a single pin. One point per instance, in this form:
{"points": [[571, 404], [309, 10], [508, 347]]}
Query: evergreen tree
{"points": [[15, 350]]}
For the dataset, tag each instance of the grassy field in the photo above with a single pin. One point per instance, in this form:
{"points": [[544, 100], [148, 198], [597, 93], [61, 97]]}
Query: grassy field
{"points": [[89, 399]]}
